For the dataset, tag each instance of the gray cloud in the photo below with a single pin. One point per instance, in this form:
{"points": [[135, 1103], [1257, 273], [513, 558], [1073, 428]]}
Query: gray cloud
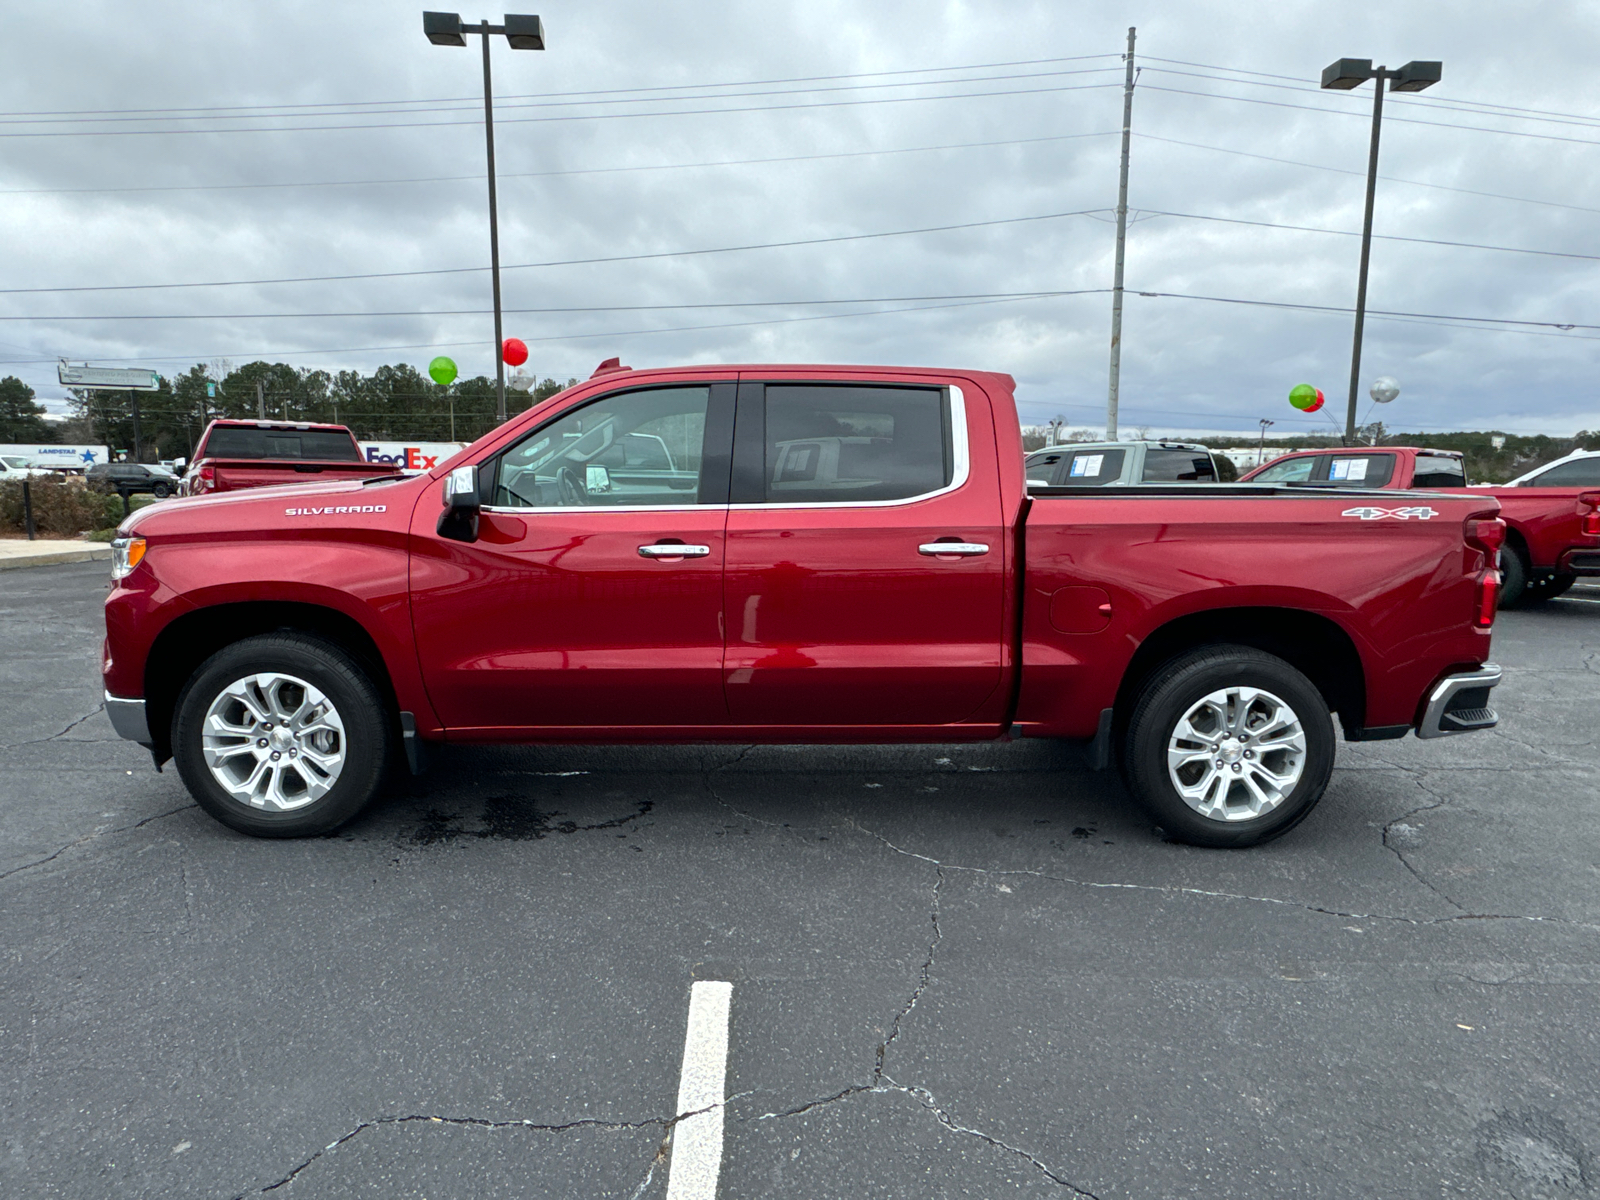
{"points": [[1187, 364]]}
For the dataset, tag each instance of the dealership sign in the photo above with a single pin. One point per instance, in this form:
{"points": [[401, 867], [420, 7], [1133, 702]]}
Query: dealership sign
{"points": [[139, 379], [412, 457]]}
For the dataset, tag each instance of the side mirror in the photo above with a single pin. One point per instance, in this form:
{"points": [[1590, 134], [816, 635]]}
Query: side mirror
{"points": [[459, 521]]}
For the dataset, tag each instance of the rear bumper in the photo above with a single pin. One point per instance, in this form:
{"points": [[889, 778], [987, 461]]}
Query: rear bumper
{"points": [[1579, 562], [1460, 704], [128, 719]]}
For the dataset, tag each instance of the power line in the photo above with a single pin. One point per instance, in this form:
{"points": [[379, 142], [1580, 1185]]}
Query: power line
{"points": [[1329, 308], [503, 175], [615, 333], [573, 262], [1545, 137], [510, 105], [1442, 187], [1445, 104], [690, 112], [479, 312], [1387, 237], [677, 87]]}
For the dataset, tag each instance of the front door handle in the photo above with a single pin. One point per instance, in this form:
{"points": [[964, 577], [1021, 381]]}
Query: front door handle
{"points": [[673, 550], [962, 549]]}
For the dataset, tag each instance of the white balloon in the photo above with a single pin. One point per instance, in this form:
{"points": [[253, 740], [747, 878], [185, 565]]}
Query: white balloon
{"points": [[1384, 389]]}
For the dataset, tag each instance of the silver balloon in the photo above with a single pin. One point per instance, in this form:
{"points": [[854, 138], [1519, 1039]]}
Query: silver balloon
{"points": [[1384, 389]]}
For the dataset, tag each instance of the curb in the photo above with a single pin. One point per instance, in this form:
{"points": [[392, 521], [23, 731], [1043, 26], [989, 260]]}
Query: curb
{"points": [[53, 556]]}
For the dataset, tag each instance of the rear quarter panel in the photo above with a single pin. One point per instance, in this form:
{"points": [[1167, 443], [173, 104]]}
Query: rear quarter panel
{"points": [[1403, 590]]}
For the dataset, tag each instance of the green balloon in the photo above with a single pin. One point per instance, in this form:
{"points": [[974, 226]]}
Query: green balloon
{"points": [[443, 370]]}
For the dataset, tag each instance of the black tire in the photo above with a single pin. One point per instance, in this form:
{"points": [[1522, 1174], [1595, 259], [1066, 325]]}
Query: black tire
{"points": [[1546, 587], [1513, 576], [366, 740], [1171, 693], [161, 491]]}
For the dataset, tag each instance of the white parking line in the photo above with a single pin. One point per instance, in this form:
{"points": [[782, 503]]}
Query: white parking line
{"points": [[697, 1139]]}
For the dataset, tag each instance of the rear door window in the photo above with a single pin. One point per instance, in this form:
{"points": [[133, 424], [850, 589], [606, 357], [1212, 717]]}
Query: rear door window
{"points": [[852, 444], [1041, 468], [1091, 468], [1289, 470], [1178, 466], [1438, 471], [1580, 472], [1358, 470]]}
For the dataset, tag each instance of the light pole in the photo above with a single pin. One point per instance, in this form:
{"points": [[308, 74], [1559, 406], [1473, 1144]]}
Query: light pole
{"points": [[1261, 454], [1342, 75], [524, 33]]}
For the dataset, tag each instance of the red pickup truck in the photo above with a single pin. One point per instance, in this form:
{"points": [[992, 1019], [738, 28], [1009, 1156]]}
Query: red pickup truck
{"points": [[249, 454], [1552, 517], [792, 554]]}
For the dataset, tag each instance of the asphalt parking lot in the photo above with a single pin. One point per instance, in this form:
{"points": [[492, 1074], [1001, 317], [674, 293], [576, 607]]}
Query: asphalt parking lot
{"points": [[956, 971]]}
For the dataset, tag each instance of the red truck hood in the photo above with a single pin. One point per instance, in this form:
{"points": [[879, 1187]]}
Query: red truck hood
{"points": [[266, 507]]}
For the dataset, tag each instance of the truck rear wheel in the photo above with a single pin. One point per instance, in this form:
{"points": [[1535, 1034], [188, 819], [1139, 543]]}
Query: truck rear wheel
{"points": [[1228, 746], [281, 735]]}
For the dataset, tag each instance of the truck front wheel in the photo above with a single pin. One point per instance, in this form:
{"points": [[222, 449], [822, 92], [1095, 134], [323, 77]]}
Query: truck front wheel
{"points": [[281, 735], [1228, 746]]}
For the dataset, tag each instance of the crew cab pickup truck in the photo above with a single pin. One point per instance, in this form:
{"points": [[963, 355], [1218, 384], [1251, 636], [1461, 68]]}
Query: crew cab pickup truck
{"points": [[792, 554], [1112, 464], [249, 454], [1552, 515]]}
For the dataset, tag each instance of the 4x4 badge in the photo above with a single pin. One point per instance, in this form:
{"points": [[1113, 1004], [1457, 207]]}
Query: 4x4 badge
{"points": [[1420, 512]]}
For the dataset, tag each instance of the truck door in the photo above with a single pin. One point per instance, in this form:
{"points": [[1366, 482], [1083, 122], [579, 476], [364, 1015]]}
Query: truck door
{"points": [[841, 609], [593, 595]]}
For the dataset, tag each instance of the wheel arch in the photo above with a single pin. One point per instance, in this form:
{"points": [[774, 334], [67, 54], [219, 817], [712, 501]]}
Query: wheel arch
{"points": [[1313, 644], [190, 639]]}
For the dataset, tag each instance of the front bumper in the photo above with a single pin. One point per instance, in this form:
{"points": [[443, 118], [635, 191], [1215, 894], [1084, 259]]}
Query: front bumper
{"points": [[1460, 704], [128, 719]]}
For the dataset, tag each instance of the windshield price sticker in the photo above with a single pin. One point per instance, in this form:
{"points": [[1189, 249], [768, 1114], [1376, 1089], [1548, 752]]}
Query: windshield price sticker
{"points": [[1348, 468], [1420, 512]]}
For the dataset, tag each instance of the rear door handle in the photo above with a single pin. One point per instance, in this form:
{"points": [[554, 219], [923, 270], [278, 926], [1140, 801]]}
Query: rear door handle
{"points": [[964, 549], [673, 550]]}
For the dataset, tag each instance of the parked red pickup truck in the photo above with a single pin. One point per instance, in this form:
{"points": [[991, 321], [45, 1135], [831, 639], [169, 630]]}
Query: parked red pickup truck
{"points": [[249, 454], [792, 554], [1553, 524]]}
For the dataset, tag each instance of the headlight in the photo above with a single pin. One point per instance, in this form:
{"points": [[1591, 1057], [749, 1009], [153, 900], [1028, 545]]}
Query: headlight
{"points": [[126, 554]]}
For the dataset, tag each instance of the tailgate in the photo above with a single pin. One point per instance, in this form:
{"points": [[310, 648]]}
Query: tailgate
{"points": [[234, 474]]}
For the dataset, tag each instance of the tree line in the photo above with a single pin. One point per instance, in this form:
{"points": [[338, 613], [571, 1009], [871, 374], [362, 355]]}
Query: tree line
{"points": [[393, 403]]}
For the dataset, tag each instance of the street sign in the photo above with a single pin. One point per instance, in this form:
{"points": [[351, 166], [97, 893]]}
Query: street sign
{"points": [[136, 379]]}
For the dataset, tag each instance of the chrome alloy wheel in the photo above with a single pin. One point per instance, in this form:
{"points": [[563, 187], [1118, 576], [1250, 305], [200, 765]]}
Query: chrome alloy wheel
{"points": [[1236, 754], [273, 741]]}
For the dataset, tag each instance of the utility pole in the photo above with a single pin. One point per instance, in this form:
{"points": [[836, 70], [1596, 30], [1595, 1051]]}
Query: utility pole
{"points": [[1122, 238], [494, 235], [138, 442], [261, 401], [1261, 454]]}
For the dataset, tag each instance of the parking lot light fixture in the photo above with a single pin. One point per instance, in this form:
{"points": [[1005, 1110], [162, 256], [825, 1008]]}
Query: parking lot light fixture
{"points": [[523, 32], [1342, 75]]}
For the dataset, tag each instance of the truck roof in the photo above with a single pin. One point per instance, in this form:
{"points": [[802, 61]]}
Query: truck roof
{"points": [[251, 423], [1148, 443]]}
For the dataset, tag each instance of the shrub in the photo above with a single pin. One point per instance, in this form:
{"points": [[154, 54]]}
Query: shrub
{"points": [[62, 508]]}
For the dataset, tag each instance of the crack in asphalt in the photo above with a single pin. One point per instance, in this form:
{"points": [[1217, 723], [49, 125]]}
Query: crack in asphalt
{"points": [[95, 711], [1416, 776], [1209, 893], [666, 1125], [884, 1085], [922, 982], [98, 833]]}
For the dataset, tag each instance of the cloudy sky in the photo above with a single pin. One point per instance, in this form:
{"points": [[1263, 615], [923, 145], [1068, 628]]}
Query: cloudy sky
{"points": [[189, 143]]}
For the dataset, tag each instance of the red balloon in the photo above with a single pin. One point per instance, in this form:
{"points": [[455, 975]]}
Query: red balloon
{"points": [[514, 351]]}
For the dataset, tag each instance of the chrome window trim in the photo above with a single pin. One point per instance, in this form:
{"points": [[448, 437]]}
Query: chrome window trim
{"points": [[961, 470], [961, 466]]}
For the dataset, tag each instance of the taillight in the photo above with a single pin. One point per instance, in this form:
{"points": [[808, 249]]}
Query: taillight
{"points": [[1589, 513], [1488, 598], [206, 480], [1486, 533]]}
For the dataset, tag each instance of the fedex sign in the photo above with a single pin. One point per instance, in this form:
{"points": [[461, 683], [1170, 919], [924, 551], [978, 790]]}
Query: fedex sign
{"points": [[413, 457]]}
